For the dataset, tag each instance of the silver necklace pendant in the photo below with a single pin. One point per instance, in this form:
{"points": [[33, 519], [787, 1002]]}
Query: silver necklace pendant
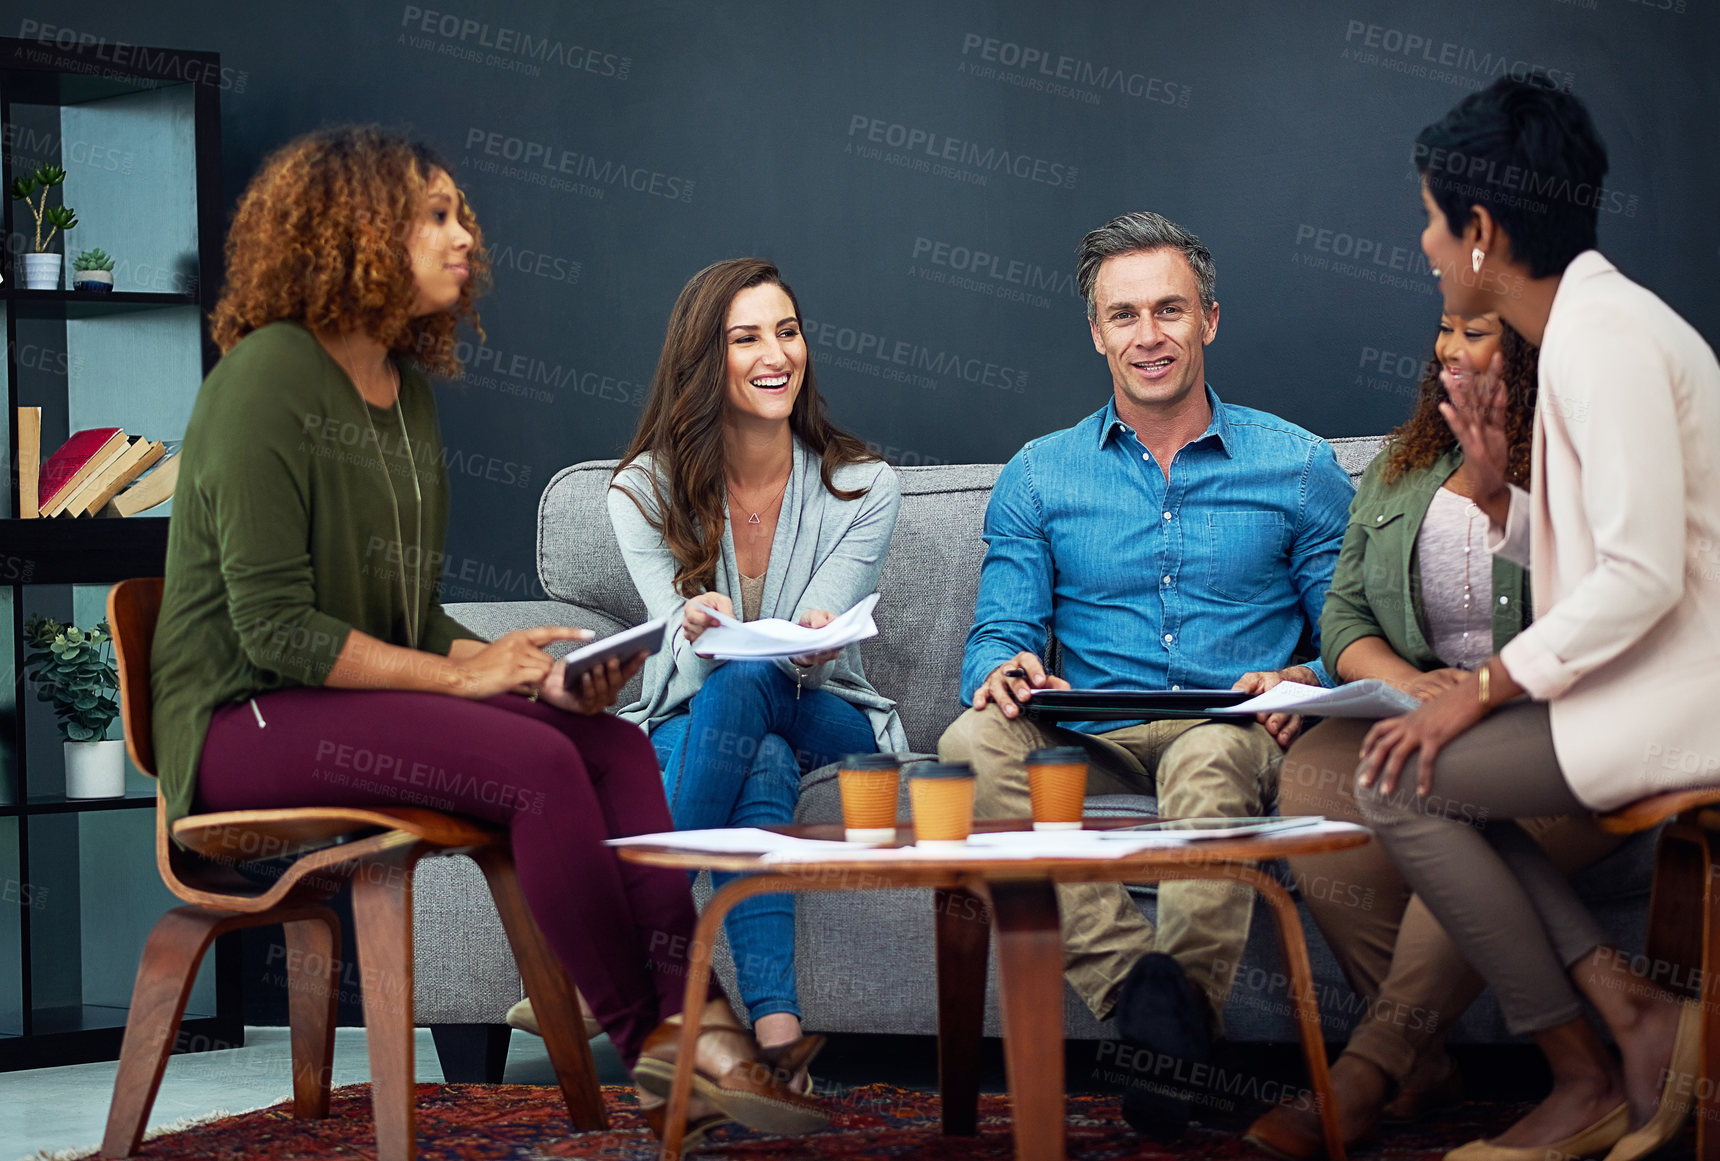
{"points": [[753, 519]]}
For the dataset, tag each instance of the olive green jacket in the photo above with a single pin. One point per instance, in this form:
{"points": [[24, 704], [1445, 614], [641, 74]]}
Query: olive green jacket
{"points": [[1376, 585], [283, 538]]}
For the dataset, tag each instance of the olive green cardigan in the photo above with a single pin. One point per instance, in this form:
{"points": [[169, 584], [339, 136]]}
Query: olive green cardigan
{"points": [[1376, 585], [283, 537]]}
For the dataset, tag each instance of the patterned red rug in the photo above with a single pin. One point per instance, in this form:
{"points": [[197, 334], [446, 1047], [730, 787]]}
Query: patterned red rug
{"points": [[528, 1123]]}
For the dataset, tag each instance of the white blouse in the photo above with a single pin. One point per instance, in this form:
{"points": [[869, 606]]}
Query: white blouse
{"points": [[1456, 580], [1621, 532]]}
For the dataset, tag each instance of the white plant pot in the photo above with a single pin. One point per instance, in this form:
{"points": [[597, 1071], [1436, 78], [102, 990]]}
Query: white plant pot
{"points": [[95, 769], [99, 281], [42, 271]]}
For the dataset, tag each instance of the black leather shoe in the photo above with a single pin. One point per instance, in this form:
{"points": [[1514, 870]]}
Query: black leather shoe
{"points": [[1161, 1012]]}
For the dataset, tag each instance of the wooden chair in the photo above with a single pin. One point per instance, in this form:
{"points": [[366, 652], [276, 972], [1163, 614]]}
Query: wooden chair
{"points": [[1683, 943], [373, 848]]}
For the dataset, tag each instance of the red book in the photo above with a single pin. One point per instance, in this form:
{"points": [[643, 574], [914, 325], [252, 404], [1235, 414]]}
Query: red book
{"points": [[72, 464]]}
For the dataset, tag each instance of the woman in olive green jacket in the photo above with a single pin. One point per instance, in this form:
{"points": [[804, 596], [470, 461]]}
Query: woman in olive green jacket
{"points": [[1416, 600]]}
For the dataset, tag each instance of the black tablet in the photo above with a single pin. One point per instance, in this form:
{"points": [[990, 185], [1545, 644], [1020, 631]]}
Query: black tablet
{"points": [[1098, 705], [646, 638]]}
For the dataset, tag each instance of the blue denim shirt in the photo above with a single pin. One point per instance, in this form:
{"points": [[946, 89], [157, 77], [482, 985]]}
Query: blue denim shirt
{"points": [[1150, 584]]}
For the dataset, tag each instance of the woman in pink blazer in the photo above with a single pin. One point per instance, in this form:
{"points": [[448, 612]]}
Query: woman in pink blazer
{"points": [[1607, 697]]}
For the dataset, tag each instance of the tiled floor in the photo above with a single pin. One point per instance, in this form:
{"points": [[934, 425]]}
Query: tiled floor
{"points": [[52, 1109]]}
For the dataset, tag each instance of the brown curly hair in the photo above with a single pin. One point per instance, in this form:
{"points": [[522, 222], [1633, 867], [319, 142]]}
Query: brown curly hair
{"points": [[1426, 436], [319, 238], [682, 426]]}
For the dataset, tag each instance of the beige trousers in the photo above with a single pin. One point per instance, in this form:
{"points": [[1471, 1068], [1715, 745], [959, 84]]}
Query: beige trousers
{"points": [[1396, 956], [1198, 767]]}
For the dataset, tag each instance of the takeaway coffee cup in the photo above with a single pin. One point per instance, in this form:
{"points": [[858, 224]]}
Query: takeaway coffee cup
{"points": [[1057, 785], [868, 783], [942, 797]]}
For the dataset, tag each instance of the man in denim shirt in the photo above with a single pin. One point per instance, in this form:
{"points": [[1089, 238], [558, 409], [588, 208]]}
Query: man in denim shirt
{"points": [[1170, 541]]}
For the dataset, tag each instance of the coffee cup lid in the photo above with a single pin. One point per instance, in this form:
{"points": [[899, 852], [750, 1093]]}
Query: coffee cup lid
{"points": [[870, 762], [1057, 755], [940, 770]]}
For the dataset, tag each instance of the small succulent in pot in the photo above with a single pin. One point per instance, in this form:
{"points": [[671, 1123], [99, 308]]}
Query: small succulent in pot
{"points": [[40, 268], [92, 270], [57, 218]]}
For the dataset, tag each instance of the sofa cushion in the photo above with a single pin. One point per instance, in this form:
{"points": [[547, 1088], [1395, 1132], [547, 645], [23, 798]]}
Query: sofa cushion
{"points": [[579, 559]]}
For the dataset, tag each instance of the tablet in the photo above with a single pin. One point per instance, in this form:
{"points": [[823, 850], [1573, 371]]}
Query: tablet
{"points": [[1095, 705], [646, 638]]}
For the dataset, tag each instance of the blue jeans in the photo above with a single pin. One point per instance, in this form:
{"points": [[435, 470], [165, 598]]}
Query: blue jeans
{"points": [[735, 759]]}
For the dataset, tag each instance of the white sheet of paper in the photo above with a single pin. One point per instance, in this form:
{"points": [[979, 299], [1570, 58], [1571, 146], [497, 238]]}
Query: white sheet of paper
{"points": [[733, 639], [1358, 699], [739, 840]]}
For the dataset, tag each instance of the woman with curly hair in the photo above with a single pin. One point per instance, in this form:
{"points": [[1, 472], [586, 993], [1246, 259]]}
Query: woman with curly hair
{"points": [[739, 496], [1417, 602], [300, 623]]}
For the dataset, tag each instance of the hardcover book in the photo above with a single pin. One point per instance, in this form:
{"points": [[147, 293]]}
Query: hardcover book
{"points": [[155, 488], [79, 457], [29, 462]]}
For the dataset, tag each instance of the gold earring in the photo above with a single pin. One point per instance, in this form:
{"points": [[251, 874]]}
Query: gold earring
{"points": [[1475, 257]]}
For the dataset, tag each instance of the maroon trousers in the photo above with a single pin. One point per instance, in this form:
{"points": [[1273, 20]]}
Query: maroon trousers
{"points": [[559, 782]]}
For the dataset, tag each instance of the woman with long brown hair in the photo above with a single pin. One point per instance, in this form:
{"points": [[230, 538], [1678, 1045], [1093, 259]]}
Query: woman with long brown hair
{"points": [[302, 656], [739, 495], [1415, 601]]}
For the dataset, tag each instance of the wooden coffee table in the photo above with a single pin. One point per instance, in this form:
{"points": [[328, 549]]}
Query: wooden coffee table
{"points": [[1017, 897]]}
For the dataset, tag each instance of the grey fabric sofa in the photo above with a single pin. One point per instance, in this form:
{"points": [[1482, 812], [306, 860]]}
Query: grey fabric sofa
{"points": [[865, 959]]}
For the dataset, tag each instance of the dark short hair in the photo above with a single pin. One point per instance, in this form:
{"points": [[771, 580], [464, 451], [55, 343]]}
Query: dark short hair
{"points": [[1137, 233], [1531, 155]]}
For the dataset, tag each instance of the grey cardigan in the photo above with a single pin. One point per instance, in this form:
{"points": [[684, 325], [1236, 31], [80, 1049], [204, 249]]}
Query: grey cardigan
{"points": [[826, 554]]}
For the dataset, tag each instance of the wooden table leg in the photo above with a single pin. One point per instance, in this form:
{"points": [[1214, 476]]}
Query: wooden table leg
{"points": [[1295, 948], [963, 926], [694, 999], [1030, 976]]}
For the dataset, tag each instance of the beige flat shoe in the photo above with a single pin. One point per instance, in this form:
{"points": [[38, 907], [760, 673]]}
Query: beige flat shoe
{"points": [[1683, 1076], [522, 1017], [1589, 1142]]}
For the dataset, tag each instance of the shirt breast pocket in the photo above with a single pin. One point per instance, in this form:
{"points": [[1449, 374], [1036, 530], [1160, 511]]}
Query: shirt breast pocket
{"points": [[1245, 553], [1382, 564]]}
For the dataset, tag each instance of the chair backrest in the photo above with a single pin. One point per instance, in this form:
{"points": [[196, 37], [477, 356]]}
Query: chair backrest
{"points": [[132, 608]]}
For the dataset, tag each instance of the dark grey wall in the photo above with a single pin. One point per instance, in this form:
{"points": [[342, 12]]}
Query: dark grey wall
{"points": [[922, 173]]}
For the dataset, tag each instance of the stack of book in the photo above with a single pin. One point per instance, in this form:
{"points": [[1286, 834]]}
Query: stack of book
{"points": [[96, 472]]}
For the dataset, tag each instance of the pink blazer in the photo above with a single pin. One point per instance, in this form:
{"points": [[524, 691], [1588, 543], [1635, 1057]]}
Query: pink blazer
{"points": [[1621, 532]]}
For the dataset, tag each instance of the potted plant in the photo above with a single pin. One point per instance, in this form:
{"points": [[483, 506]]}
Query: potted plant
{"points": [[74, 669], [92, 271], [42, 269]]}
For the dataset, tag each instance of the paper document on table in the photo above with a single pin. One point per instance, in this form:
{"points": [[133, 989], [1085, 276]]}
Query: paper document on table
{"points": [[734, 640], [739, 840], [1372, 698], [1068, 845]]}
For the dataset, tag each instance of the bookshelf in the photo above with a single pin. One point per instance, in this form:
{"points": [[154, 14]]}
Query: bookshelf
{"points": [[139, 139]]}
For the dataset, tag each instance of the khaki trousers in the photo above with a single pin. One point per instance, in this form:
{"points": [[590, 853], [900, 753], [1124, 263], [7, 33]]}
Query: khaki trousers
{"points": [[1198, 767], [1396, 956]]}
